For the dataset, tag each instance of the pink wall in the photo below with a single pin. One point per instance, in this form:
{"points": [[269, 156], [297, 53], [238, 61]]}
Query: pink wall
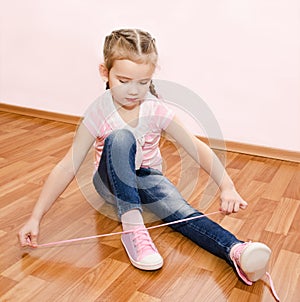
{"points": [[241, 56]]}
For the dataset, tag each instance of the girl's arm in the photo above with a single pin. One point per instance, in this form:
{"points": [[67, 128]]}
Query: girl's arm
{"points": [[58, 180], [231, 201]]}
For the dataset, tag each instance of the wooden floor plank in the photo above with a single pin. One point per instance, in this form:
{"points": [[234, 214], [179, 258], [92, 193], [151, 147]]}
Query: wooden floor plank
{"points": [[24, 290], [283, 216]]}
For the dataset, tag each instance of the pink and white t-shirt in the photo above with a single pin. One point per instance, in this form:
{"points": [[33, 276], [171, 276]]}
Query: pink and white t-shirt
{"points": [[102, 118]]}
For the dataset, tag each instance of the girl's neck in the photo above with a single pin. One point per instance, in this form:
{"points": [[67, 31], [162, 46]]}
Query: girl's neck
{"points": [[129, 114]]}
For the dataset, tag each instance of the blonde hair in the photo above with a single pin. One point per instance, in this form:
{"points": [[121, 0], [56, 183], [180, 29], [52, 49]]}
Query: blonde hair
{"points": [[130, 44]]}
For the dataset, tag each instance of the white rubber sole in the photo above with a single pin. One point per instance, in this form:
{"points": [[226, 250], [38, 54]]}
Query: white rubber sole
{"points": [[254, 260]]}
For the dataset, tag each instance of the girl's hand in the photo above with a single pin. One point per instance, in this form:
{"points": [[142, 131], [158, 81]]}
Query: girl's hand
{"points": [[29, 233], [231, 201]]}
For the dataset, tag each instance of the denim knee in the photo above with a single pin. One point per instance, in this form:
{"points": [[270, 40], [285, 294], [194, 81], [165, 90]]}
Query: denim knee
{"points": [[121, 139]]}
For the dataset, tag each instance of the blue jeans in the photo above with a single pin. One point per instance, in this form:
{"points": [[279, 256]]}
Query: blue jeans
{"points": [[117, 181]]}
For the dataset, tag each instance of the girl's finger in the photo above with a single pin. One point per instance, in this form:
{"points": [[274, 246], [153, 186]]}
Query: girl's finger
{"points": [[34, 240], [23, 239], [243, 205], [236, 207]]}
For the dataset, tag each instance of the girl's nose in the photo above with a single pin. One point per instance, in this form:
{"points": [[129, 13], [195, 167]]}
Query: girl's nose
{"points": [[133, 88]]}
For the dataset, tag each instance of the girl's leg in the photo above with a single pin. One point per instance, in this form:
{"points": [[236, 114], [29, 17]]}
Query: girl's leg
{"points": [[115, 181]]}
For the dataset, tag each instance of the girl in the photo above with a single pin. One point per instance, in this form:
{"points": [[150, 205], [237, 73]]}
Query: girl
{"points": [[125, 126]]}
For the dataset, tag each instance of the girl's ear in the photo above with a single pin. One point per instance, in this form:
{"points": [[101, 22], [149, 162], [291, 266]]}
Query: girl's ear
{"points": [[103, 72]]}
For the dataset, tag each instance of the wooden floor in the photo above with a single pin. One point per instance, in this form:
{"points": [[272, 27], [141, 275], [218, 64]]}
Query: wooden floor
{"points": [[98, 269]]}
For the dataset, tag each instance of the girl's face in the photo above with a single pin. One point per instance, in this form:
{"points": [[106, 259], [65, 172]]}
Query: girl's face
{"points": [[129, 82]]}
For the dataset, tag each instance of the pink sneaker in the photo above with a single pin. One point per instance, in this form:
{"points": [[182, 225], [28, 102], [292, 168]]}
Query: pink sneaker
{"points": [[250, 260], [141, 249]]}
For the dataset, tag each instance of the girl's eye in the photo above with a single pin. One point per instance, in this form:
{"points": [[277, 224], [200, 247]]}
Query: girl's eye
{"points": [[123, 81], [144, 82], [127, 81]]}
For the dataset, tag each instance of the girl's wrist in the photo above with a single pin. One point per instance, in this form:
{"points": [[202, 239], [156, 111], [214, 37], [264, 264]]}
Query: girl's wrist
{"points": [[35, 219], [227, 185]]}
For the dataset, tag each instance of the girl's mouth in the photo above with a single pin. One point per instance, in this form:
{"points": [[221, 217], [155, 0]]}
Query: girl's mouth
{"points": [[131, 100]]}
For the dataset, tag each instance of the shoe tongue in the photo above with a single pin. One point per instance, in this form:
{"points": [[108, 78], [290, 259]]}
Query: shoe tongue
{"points": [[144, 242]]}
